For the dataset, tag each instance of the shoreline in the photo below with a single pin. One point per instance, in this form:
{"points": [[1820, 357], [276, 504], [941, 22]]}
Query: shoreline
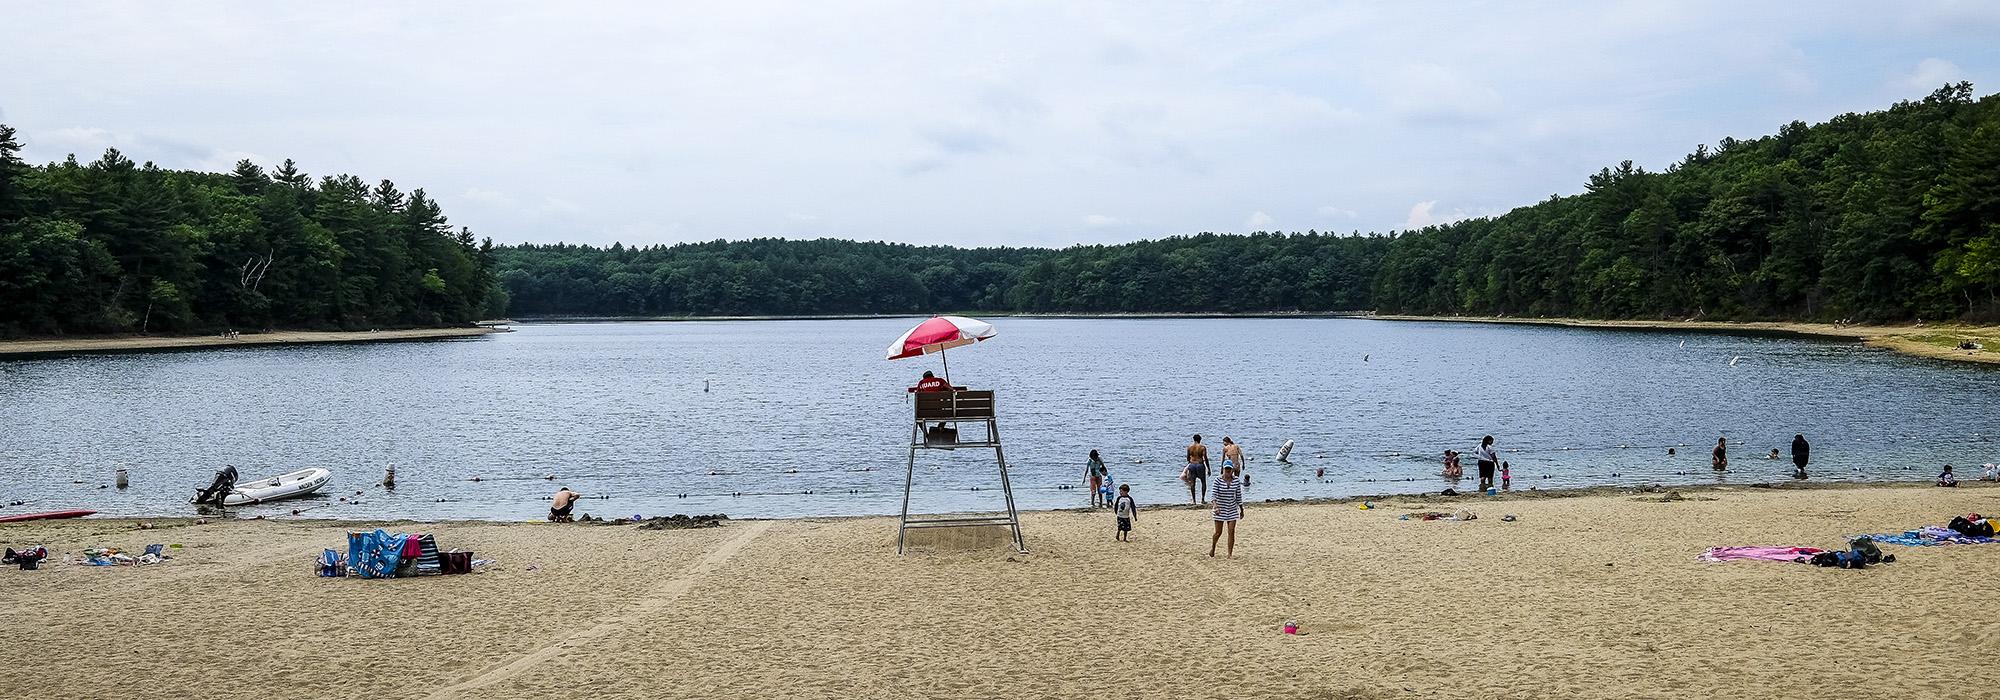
{"points": [[1919, 341], [12, 349], [1470, 497], [1608, 584]]}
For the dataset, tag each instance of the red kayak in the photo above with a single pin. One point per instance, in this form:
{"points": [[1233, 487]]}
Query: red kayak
{"points": [[51, 515]]}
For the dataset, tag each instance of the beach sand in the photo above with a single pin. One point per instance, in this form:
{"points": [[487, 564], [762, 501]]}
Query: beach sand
{"points": [[63, 346], [1587, 595]]}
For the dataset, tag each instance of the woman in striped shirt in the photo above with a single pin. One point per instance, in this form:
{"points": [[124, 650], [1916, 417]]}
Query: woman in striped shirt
{"points": [[1228, 497]]}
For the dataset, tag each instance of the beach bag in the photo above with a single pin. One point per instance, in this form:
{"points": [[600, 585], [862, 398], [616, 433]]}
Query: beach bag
{"points": [[457, 563], [331, 564], [429, 563], [1972, 526], [1865, 548]]}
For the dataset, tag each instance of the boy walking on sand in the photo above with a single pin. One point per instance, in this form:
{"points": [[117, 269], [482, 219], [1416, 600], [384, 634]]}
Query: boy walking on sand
{"points": [[1127, 511]]}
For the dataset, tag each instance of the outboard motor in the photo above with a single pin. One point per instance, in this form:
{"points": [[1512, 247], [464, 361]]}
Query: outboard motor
{"points": [[225, 482]]}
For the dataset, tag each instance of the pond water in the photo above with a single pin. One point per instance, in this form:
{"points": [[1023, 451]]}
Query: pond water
{"points": [[802, 418]]}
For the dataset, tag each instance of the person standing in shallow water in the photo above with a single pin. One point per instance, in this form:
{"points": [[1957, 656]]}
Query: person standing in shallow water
{"points": [[1720, 458], [1801, 452], [1094, 472], [1228, 509], [1197, 470], [1488, 459], [1232, 454]]}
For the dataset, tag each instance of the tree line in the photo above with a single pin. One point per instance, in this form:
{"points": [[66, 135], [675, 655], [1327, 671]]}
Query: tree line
{"points": [[1878, 216], [1886, 215], [119, 247]]}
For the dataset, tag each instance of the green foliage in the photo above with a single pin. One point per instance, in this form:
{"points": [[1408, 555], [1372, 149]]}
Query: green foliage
{"points": [[1206, 273], [116, 247], [1880, 216]]}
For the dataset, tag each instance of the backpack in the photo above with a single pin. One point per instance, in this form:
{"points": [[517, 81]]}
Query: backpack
{"points": [[1971, 525]]}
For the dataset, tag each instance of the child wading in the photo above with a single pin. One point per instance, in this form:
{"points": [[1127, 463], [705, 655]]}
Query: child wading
{"points": [[1127, 511]]}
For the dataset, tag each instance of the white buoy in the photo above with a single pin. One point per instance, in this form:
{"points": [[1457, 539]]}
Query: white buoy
{"points": [[122, 481], [1285, 451]]}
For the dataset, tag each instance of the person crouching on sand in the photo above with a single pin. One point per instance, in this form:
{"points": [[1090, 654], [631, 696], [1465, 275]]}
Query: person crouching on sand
{"points": [[560, 506], [1127, 512], [1228, 499]]}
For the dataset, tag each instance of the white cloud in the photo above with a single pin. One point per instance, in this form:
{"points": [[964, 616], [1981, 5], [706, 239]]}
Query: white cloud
{"points": [[933, 124], [1425, 214], [1258, 221], [475, 194], [1435, 94], [1933, 73], [1101, 221]]}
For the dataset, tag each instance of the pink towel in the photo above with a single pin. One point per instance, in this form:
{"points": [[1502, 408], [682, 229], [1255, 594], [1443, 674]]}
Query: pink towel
{"points": [[1790, 554]]}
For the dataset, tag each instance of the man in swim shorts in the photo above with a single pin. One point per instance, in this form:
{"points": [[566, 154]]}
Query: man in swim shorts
{"points": [[1197, 470], [1232, 455]]}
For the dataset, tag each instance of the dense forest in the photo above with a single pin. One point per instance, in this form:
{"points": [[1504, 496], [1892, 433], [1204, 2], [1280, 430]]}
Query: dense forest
{"points": [[119, 247], [1887, 215], [1881, 216]]}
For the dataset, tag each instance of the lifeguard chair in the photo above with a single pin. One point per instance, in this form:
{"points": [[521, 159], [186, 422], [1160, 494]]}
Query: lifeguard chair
{"points": [[949, 421]]}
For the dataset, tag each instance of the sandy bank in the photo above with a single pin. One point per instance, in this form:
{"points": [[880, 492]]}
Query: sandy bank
{"points": [[1935, 340], [61, 346], [1594, 595]]}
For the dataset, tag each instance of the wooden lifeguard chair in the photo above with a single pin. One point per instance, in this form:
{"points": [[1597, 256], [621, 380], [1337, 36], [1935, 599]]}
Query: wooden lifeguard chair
{"points": [[950, 421]]}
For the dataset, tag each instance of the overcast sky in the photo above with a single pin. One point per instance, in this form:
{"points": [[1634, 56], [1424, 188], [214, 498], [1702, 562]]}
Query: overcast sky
{"points": [[1012, 123]]}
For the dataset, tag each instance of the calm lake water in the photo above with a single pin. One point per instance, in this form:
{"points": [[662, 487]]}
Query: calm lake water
{"points": [[644, 412]]}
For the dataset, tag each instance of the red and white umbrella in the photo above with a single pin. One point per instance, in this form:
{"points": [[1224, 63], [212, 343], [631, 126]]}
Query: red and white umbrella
{"points": [[938, 334]]}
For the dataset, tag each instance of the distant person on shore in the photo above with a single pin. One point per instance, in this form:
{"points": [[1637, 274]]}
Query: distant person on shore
{"points": [[1801, 451], [1232, 455], [561, 505], [1506, 477], [1094, 473], [1127, 512], [1197, 470], [1452, 469], [1488, 459], [1947, 478], [1228, 509], [1720, 457]]}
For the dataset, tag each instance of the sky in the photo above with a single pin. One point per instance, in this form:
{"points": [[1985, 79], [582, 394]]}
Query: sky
{"points": [[972, 124]]}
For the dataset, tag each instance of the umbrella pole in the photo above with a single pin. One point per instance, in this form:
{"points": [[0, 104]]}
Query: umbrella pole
{"points": [[946, 355]]}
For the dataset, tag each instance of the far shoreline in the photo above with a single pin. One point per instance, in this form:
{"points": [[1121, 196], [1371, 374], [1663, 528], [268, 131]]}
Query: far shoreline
{"points": [[44, 347], [1926, 340]]}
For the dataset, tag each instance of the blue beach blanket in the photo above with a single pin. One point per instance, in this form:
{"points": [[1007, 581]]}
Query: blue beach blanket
{"points": [[374, 554], [1932, 536]]}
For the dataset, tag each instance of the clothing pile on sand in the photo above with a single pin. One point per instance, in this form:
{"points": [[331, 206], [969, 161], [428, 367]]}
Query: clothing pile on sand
{"points": [[1860, 553], [1863, 550], [1461, 514], [1971, 528], [379, 554]]}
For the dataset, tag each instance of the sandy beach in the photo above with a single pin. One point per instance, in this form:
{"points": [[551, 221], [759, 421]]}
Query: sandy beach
{"points": [[62, 346], [1586, 595], [1937, 340]]}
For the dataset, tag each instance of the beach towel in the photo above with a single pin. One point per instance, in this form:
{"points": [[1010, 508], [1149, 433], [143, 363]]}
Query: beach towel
{"points": [[1932, 536], [1799, 555], [375, 554]]}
